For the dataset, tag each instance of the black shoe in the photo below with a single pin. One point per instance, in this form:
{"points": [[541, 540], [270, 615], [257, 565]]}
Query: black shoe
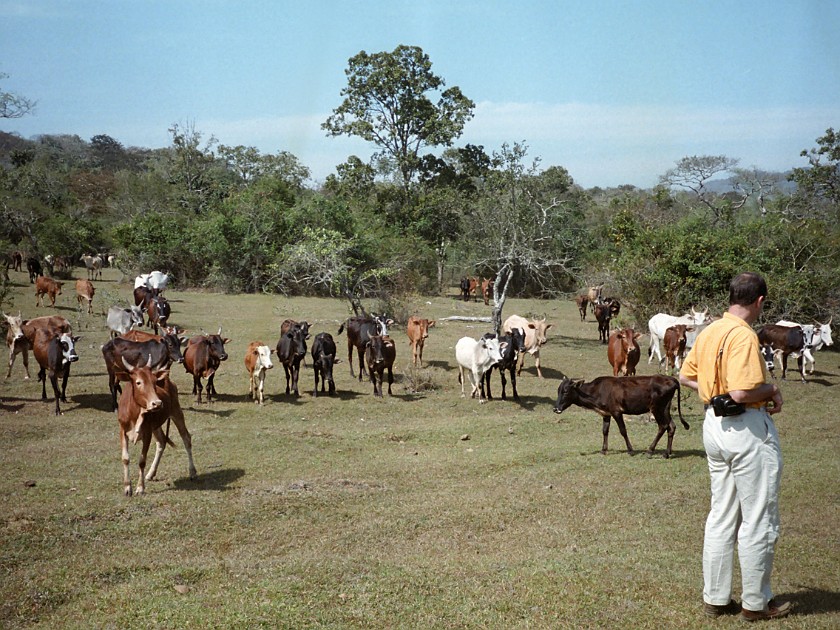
{"points": [[732, 608], [774, 610]]}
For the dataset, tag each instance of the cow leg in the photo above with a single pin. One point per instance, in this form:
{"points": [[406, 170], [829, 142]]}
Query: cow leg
{"points": [[160, 446], [198, 388], [295, 374], [661, 428], [317, 371], [211, 386], [390, 378], [784, 366], [361, 364], [125, 461], [800, 363], [485, 384], [420, 353], [350, 356], [537, 363], [64, 378], [262, 386], [512, 385], [461, 379], [521, 363], [42, 377], [58, 396], [181, 425], [475, 377], [141, 464], [288, 378], [619, 420]]}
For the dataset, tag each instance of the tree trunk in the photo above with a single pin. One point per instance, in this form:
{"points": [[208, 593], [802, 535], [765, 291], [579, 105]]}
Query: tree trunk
{"points": [[500, 295]]}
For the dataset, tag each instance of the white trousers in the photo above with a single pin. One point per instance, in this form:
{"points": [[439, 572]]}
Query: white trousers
{"points": [[745, 466]]}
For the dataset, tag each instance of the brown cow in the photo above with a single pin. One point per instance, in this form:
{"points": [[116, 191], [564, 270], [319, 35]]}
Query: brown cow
{"points": [[21, 335], [674, 343], [150, 400], [46, 286], [418, 331], [257, 361], [359, 330], [611, 396], [202, 358], [487, 290], [85, 291], [380, 352], [535, 337], [603, 313], [14, 261], [582, 302], [623, 351]]}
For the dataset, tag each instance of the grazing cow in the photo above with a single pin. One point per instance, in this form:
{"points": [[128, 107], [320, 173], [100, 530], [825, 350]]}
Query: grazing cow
{"points": [[144, 406], [476, 357], [257, 362], [359, 330], [612, 397], [582, 302], [138, 348], [202, 358], [54, 353], [623, 351], [603, 313], [33, 266], [94, 266], [786, 340], [820, 336], [464, 286], [380, 352], [47, 286], [418, 331], [159, 312], [660, 322], [121, 320], [14, 261], [487, 290], [84, 292], [674, 342], [21, 336], [291, 349], [535, 337], [288, 324], [324, 356], [510, 346]]}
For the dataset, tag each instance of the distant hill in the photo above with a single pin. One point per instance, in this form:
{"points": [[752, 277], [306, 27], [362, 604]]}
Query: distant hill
{"points": [[722, 186]]}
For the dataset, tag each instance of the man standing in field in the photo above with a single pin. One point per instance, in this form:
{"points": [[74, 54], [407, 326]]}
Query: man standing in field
{"points": [[743, 453]]}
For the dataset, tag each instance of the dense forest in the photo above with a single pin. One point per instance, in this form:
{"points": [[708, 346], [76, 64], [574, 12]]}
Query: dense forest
{"points": [[424, 211]]}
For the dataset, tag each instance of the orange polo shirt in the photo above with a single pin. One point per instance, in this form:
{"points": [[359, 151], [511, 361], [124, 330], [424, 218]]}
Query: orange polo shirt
{"points": [[740, 367]]}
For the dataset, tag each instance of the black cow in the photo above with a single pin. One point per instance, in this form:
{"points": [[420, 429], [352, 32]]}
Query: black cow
{"points": [[380, 352], [603, 313], [33, 266], [159, 312], [138, 349], [202, 358], [787, 340], [465, 288], [512, 344], [291, 349], [323, 359], [359, 331], [54, 352], [614, 396]]}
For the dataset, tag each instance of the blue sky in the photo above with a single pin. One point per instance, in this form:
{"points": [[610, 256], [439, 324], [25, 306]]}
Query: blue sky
{"points": [[615, 92]]}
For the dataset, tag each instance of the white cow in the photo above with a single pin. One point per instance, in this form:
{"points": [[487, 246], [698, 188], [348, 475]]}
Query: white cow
{"points": [[121, 320], [661, 322], [153, 280], [476, 356], [816, 336]]}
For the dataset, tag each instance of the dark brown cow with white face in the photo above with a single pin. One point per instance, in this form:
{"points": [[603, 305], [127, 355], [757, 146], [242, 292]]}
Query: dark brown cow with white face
{"points": [[202, 358], [49, 287], [380, 352], [159, 312], [54, 352], [612, 397], [145, 404], [359, 330]]}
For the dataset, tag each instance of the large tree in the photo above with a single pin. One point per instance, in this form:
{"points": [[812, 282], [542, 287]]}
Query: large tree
{"points": [[819, 182], [693, 173], [388, 101], [14, 105]]}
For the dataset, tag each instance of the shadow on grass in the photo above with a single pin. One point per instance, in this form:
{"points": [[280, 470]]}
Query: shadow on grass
{"points": [[214, 480], [100, 402], [208, 408], [10, 408], [813, 601]]}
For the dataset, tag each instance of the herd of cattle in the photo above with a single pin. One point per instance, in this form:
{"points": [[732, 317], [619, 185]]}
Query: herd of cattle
{"points": [[142, 360]]}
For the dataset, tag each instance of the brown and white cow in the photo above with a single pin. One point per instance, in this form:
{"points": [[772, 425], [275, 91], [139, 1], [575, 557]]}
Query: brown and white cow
{"points": [[54, 352], [257, 361], [594, 295], [21, 335], [159, 312], [149, 400], [623, 351], [417, 330], [535, 337], [785, 340], [84, 293], [202, 358], [612, 397], [94, 266], [46, 286], [674, 343]]}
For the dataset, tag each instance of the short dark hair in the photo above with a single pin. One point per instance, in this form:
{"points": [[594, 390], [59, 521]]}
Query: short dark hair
{"points": [[746, 288]]}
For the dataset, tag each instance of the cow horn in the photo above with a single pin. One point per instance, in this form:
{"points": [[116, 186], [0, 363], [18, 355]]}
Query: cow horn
{"points": [[149, 362], [220, 331], [128, 365]]}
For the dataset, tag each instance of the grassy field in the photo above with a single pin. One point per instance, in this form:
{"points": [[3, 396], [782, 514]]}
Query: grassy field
{"points": [[419, 510]]}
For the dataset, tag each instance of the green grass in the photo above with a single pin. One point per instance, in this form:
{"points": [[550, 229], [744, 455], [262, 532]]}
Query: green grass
{"points": [[356, 512]]}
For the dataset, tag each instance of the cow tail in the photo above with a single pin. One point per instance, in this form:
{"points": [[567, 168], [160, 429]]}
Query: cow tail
{"points": [[679, 407], [341, 328], [166, 435]]}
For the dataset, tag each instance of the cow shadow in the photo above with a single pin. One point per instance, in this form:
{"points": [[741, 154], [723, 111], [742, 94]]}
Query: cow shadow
{"points": [[207, 408], [100, 402], [10, 408], [218, 480], [437, 364]]}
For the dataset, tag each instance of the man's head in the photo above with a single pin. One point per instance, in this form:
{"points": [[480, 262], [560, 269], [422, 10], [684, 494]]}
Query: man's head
{"points": [[746, 288]]}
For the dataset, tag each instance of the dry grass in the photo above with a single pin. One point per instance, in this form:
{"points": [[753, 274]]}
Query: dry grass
{"points": [[356, 512]]}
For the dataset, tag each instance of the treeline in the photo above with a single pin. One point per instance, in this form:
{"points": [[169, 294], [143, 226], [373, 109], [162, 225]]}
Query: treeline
{"points": [[237, 220]]}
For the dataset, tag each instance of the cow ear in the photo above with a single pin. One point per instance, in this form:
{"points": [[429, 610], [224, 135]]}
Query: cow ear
{"points": [[547, 326], [336, 360], [637, 335], [432, 323], [577, 382], [75, 339], [124, 377], [226, 340], [503, 346], [689, 329]]}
